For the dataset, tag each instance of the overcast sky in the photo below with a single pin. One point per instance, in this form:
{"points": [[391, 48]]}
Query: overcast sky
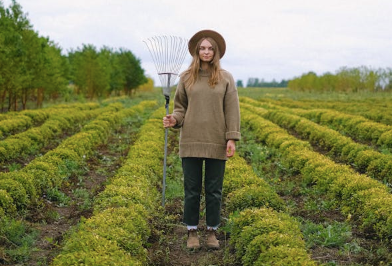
{"points": [[270, 39]]}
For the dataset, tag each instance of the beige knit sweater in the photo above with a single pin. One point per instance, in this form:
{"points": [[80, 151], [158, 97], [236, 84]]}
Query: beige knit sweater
{"points": [[208, 117]]}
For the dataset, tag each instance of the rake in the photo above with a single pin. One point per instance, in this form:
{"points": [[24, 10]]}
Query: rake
{"points": [[168, 54]]}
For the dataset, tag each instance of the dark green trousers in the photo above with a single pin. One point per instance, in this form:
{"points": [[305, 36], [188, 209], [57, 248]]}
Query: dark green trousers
{"points": [[193, 181]]}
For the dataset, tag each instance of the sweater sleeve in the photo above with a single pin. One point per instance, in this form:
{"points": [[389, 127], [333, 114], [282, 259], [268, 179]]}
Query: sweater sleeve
{"points": [[232, 111], [180, 104]]}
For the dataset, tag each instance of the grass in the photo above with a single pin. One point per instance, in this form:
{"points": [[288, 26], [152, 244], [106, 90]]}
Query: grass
{"points": [[16, 239], [56, 195], [83, 198], [332, 235], [174, 177]]}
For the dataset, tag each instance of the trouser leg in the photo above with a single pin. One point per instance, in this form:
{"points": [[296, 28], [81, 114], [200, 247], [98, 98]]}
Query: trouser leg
{"points": [[192, 170], [214, 172]]}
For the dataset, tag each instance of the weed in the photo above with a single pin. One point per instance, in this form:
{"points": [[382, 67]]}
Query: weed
{"points": [[54, 194], [83, 198], [175, 178], [52, 215], [335, 234], [14, 167], [17, 239]]}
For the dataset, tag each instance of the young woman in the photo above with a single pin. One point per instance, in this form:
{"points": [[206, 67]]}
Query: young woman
{"points": [[206, 109]]}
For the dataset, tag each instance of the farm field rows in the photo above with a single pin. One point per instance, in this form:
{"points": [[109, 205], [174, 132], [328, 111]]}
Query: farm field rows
{"points": [[310, 184]]}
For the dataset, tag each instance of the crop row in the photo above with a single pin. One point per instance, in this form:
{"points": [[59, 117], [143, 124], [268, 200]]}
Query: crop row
{"points": [[20, 188], [33, 139], [13, 122], [379, 112], [362, 157], [360, 197], [355, 126], [261, 233], [118, 231]]}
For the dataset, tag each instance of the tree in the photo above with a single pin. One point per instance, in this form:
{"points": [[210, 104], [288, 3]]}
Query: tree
{"points": [[89, 72], [132, 70], [56, 72], [13, 27]]}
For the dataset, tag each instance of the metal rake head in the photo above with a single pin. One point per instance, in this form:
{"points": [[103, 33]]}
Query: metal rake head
{"points": [[168, 54]]}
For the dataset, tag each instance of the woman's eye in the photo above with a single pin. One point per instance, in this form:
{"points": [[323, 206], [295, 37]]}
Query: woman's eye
{"points": [[205, 48]]}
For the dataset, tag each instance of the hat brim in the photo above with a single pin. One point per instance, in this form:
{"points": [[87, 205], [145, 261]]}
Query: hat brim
{"points": [[220, 41]]}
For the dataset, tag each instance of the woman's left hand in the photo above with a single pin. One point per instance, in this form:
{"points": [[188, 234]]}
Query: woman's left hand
{"points": [[230, 148]]}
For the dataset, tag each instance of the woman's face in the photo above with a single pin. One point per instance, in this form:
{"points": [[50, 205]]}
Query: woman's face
{"points": [[206, 52]]}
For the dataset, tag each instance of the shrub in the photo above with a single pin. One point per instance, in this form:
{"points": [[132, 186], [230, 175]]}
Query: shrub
{"points": [[254, 196], [263, 248], [23, 178], [128, 227], [93, 249], [16, 191], [386, 139], [6, 202]]}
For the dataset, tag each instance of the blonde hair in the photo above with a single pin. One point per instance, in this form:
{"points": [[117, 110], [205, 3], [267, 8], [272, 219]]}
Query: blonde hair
{"points": [[191, 75]]}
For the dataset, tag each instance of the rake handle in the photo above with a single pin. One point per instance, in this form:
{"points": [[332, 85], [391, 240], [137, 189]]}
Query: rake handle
{"points": [[165, 156]]}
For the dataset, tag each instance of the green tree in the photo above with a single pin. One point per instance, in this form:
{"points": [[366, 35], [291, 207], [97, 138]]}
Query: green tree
{"points": [[55, 76], [88, 71], [13, 26], [132, 70]]}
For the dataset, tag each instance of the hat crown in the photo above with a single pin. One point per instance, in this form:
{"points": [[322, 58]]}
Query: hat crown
{"points": [[220, 41]]}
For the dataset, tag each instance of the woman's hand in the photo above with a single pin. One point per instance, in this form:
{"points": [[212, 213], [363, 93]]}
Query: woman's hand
{"points": [[230, 149], [169, 121]]}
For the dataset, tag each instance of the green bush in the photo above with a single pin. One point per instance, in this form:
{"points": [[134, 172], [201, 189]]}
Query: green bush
{"points": [[283, 255], [254, 196], [386, 139], [127, 226], [263, 248], [6, 202], [262, 222], [117, 195], [45, 175], [91, 249], [25, 179], [16, 191], [364, 159], [257, 233]]}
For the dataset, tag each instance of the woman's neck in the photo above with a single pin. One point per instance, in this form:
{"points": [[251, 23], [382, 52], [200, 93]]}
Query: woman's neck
{"points": [[204, 66]]}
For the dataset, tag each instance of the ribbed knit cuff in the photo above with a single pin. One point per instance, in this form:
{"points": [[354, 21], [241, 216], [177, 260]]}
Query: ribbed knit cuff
{"points": [[233, 135], [177, 125]]}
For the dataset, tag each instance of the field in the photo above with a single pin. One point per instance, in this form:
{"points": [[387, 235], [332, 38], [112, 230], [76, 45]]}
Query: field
{"points": [[81, 183]]}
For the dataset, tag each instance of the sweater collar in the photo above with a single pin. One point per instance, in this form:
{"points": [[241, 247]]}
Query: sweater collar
{"points": [[204, 73]]}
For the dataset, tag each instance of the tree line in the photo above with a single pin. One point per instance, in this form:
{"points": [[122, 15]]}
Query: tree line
{"points": [[33, 68], [261, 83], [357, 79]]}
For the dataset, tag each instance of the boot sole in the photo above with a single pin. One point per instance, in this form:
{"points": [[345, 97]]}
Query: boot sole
{"points": [[193, 248], [213, 247]]}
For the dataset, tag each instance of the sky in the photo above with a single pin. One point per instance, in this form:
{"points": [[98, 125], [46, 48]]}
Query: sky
{"points": [[266, 39]]}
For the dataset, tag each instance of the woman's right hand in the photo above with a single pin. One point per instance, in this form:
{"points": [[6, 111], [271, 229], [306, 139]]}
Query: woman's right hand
{"points": [[169, 121]]}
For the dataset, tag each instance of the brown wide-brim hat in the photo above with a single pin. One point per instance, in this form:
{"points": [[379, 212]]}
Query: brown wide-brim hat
{"points": [[220, 41]]}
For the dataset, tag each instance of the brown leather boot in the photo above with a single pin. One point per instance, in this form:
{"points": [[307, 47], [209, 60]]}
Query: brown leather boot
{"points": [[212, 242], [193, 240]]}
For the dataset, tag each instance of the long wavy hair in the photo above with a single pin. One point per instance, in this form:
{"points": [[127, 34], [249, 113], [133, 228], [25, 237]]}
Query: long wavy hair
{"points": [[191, 75]]}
